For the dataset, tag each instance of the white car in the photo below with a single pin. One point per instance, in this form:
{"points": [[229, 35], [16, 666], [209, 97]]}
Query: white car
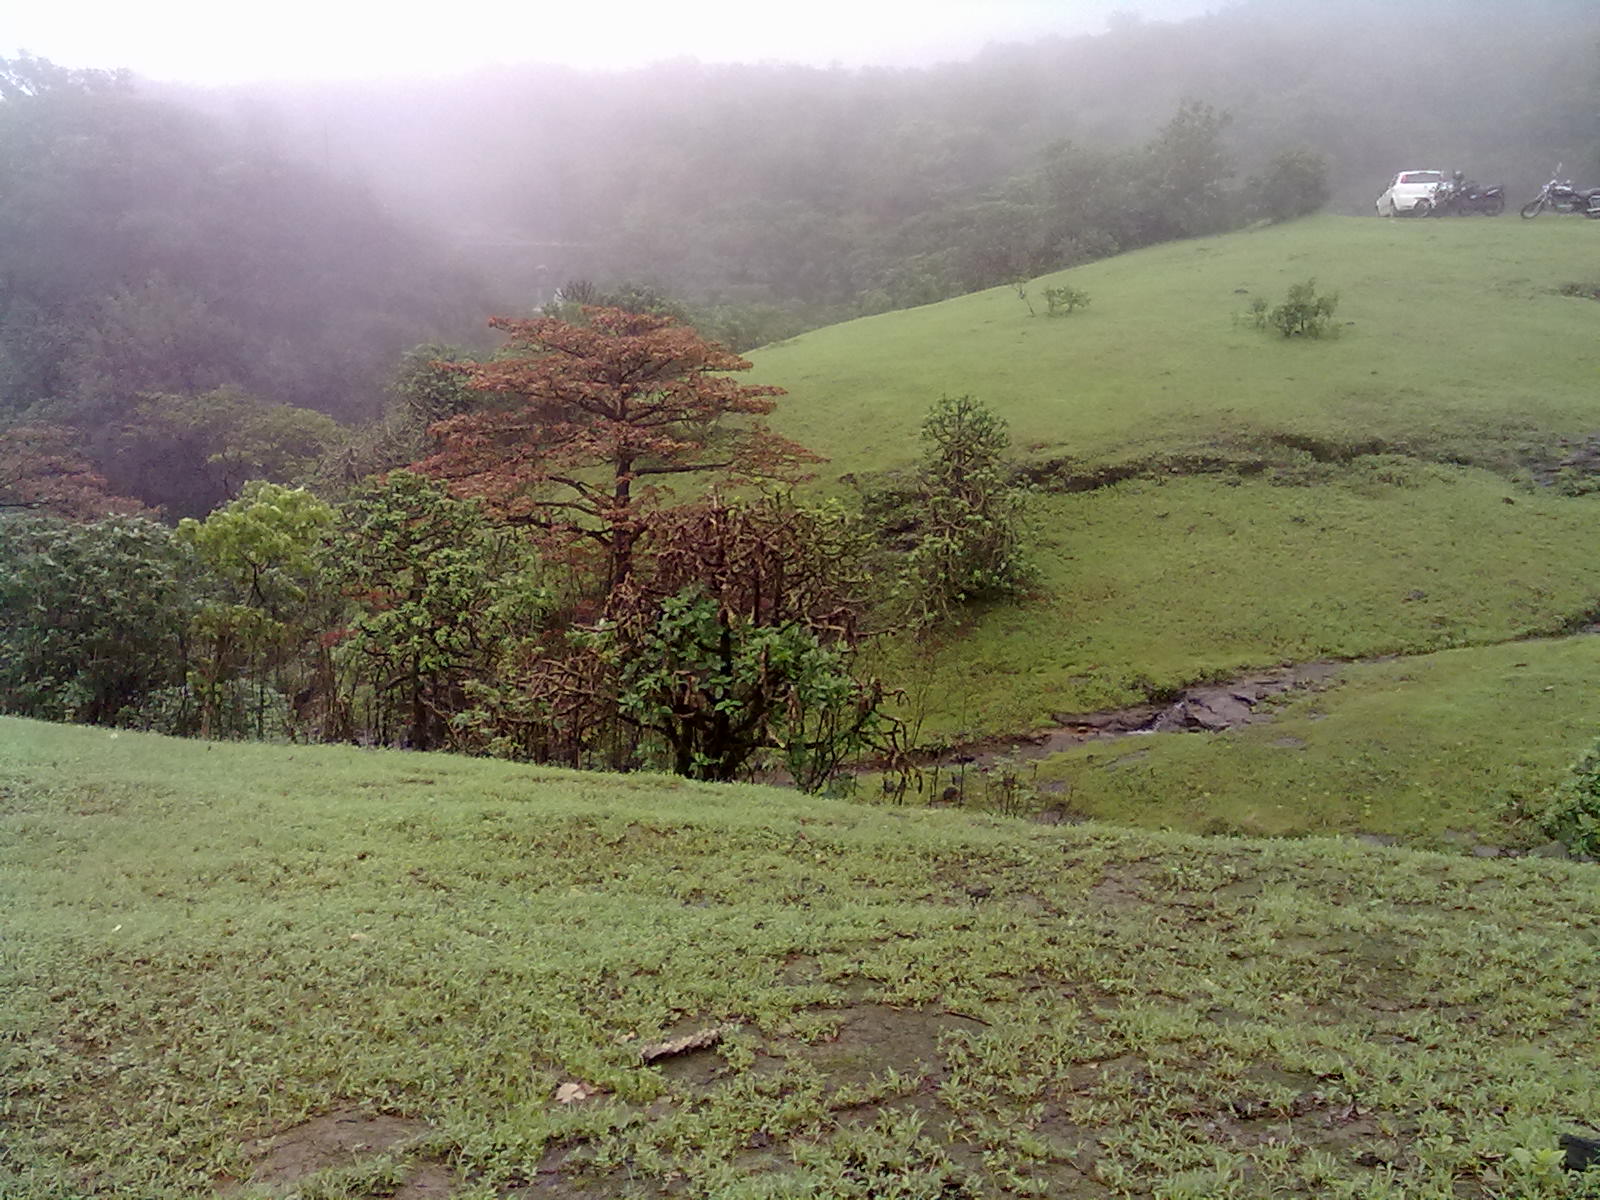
{"points": [[1411, 193]]}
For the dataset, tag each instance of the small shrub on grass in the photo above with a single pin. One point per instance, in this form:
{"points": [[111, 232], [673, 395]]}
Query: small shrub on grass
{"points": [[1064, 300], [1572, 813], [1303, 313], [972, 527]]}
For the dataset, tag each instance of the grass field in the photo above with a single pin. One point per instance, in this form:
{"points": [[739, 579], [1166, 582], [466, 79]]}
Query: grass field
{"points": [[1154, 583], [270, 971], [1214, 498], [1454, 341], [1447, 750]]}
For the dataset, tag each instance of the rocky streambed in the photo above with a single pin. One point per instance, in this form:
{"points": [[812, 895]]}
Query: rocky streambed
{"points": [[1202, 708]]}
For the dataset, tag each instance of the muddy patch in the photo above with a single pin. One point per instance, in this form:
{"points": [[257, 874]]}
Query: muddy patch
{"points": [[872, 1038], [559, 1177], [336, 1139], [427, 1181]]}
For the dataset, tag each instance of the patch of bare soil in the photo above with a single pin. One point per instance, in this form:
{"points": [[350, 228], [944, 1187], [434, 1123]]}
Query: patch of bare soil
{"points": [[336, 1139], [552, 1181], [1335, 1126], [428, 1181], [1117, 889], [876, 1037]]}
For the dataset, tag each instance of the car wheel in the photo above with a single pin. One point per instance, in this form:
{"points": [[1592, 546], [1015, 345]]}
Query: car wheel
{"points": [[1422, 208]]}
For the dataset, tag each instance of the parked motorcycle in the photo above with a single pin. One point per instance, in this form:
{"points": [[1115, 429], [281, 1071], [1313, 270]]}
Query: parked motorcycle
{"points": [[1468, 197], [1560, 196], [1463, 197]]}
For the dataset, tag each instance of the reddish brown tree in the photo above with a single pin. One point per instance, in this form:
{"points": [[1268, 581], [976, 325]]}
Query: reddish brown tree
{"points": [[41, 467], [588, 420]]}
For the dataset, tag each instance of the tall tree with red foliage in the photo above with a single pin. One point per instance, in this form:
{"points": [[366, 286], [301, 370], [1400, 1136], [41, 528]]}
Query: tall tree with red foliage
{"points": [[588, 421], [42, 467]]}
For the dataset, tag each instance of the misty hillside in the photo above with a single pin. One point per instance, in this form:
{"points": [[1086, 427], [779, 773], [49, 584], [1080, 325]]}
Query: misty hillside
{"points": [[794, 184], [292, 243]]}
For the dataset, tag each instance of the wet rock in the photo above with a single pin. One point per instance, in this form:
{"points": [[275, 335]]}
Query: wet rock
{"points": [[1377, 839], [1581, 1152], [1124, 720], [1486, 852], [1550, 850]]}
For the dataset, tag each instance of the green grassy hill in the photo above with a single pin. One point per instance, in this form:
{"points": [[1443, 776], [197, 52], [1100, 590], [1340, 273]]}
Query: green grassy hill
{"points": [[1454, 341], [258, 971], [1216, 498]]}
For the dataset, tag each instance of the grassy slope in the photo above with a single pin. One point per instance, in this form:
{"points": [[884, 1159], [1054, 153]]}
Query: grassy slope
{"points": [[205, 943], [1455, 336], [1437, 750], [1458, 352]]}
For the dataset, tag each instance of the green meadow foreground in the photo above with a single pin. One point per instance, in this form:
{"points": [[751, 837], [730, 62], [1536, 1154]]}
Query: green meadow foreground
{"points": [[258, 971]]}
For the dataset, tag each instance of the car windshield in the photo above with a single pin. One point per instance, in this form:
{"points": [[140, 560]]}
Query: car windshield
{"points": [[1422, 177]]}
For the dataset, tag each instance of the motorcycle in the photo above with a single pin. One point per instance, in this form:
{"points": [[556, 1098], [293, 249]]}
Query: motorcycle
{"points": [[1462, 197], [1488, 201], [1560, 196]]}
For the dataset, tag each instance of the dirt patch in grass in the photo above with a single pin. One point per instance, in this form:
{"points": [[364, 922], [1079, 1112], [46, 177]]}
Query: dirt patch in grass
{"points": [[337, 1139], [873, 1038], [428, 1181], [552, 1181]]}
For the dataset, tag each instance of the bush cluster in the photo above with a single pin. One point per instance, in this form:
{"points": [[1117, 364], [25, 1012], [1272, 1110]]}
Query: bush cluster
{"points": [[1571, 814]]}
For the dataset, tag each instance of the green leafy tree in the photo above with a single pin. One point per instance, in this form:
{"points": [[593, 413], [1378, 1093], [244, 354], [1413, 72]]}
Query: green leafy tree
{"points": [[93, 617], [1064, 300], [426, 388], [1303, 313], [1188, 168], [443, 600], [737, 642], [189, 453], [1571, 813], [969, 544], [261, 555]]}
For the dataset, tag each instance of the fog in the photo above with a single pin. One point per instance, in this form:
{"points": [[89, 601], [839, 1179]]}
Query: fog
{"points": [[651, 172], [301, 41], [167, 232]]}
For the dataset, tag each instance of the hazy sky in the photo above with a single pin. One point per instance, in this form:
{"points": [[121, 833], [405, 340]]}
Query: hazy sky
{"points": [[224, 41]]}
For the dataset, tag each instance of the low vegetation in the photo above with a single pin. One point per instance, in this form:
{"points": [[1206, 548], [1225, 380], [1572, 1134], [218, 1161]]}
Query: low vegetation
{"points": [[269, 971], [1459, 750]]}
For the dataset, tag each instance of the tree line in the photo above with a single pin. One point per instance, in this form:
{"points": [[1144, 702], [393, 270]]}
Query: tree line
{"points": [[596, 560]]}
